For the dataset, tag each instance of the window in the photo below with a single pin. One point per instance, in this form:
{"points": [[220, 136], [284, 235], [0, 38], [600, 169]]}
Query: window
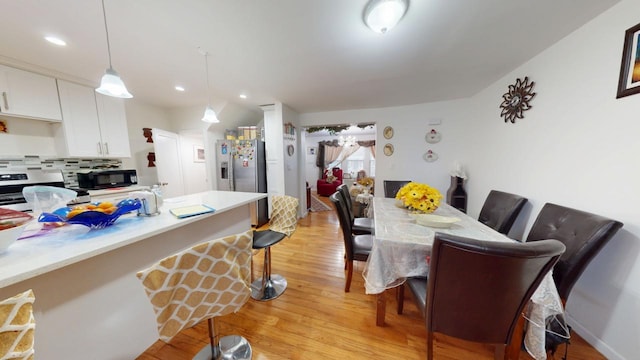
{"points": [[360, 160]]}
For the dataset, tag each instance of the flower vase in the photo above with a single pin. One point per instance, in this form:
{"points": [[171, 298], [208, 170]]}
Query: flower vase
{"points": [[456, 195]]}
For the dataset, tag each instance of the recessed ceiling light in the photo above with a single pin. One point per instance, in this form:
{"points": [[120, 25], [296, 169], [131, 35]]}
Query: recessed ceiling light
{"points": [[56, 41], [243, 96], [179, 88]]}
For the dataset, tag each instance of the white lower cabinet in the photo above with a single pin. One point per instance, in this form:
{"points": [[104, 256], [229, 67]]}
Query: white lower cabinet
{"points": [[93, 125]]}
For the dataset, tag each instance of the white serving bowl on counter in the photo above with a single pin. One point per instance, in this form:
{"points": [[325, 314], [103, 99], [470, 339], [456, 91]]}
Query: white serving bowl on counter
{"points": [[10, 235], [12, 224]]}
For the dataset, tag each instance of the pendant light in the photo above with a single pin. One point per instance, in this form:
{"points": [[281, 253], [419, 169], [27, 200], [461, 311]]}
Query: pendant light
{"points": [[111, 84], [209, 115], [382, 15]]}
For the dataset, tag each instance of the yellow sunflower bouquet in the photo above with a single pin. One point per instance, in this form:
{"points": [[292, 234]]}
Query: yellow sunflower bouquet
{"points": [[419, 197]]}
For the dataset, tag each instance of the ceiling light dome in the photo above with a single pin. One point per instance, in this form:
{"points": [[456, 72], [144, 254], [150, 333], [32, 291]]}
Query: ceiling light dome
{"points": [[382, 15]]}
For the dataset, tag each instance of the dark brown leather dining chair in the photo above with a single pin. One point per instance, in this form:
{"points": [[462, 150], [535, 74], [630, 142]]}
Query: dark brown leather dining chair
{"points": [[500, 210], [357, 247], [391, 187], [477, 290], [584, 234], [359, 225]]}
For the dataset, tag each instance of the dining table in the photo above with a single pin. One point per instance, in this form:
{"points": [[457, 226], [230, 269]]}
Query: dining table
{"points": [[401, 247]]}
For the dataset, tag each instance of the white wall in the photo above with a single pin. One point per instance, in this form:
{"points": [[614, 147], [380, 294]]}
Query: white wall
{"points": [[139, 116], [312, 172], [411, 125], [26, 137], [194, 172], [292, 168], [576, 147], [188, 119]]}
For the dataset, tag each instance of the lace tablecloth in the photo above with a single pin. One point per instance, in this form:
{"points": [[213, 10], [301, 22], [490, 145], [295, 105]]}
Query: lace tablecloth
{"points": [[401, 246]]}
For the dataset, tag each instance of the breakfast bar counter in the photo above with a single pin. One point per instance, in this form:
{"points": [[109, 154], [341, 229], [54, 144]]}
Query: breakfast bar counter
{"points": [[89, 303]]}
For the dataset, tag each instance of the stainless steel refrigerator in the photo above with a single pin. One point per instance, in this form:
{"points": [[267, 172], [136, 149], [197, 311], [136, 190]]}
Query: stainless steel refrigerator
{"points": [[241, 166]]}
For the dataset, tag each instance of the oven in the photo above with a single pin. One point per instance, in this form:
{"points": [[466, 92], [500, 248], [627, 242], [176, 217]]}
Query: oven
{"points": [[13, 181]]}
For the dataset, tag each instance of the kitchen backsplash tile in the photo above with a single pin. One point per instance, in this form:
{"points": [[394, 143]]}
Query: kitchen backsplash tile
{"points": [[69, 167]]}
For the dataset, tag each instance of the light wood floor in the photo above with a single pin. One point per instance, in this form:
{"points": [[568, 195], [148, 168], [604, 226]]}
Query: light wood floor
{"points": [[316, 319]]}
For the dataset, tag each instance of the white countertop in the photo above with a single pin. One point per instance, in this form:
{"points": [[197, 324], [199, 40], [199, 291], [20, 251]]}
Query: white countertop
{"points": [[34, 256], [118, 190]]}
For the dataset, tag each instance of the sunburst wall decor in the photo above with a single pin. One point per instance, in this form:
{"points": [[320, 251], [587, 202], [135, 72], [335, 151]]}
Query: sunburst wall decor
{"points": [[516, 100]]}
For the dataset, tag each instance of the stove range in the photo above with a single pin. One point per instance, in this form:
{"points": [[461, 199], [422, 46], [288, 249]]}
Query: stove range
{"points": [[13, 181]]}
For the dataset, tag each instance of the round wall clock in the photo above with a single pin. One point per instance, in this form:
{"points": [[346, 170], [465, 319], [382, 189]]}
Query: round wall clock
{"points": [[290, 150], [516, 100]]}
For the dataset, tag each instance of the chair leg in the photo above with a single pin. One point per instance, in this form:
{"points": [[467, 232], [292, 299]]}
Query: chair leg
{"points": [[499, 352], [347, 284], [269, 286], [400, 298], [429, 345], [227, 347]]}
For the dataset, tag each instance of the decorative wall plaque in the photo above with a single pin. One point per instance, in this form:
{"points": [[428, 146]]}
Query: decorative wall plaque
{"points": [[387, 132], [516, 100], [433, 137]]}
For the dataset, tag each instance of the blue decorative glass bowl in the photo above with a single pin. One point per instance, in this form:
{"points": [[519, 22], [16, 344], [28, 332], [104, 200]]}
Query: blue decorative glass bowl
{"points": [[91, 218]]}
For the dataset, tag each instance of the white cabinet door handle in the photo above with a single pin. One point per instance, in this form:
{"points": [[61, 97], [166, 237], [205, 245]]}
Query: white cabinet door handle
{"points": [[106, 148], [6, 102], [99, 148]]}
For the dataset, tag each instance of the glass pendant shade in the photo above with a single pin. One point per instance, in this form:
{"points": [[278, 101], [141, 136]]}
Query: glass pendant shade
{"points": [[382, 15], [210, 116], [112, 85]]}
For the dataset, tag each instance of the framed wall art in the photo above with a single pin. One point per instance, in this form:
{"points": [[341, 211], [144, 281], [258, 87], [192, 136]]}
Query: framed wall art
{"points": [[198, 153], [629, 82]]}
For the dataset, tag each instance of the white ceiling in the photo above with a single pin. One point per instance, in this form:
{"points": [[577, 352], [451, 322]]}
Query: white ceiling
{"points": [[313, 55]]}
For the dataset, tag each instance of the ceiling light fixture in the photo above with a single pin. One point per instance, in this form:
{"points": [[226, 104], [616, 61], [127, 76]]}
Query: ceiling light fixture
{"points": [[209, 115], [179, 88], [382, 15], [346, 141], [243, 96], [56, 41], [111, 84]]}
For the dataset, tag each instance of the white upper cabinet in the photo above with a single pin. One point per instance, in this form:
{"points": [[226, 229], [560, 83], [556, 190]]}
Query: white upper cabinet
{"points": [[93, 125], [30, 95], [113, 126]]}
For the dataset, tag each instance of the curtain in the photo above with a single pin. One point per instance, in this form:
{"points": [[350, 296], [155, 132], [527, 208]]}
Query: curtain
{"points": [[328, 151], [371, 145], [349, 151], [331, 154], [331, 151]]}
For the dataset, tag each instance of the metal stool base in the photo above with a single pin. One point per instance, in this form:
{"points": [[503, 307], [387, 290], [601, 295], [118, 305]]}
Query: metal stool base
{"points": [[232, 347], [273, 287]]}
